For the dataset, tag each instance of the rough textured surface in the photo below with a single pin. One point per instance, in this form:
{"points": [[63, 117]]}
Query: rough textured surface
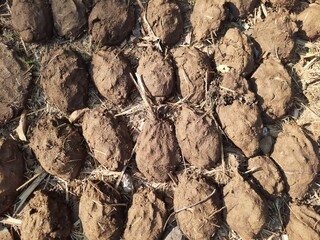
{"points": [[193, 222], [165, 19], [4, 233], [193, 72], [246, 211], [108, 139], [111, 74], [309, 21], [157, 150], [58, 147], [240, 9], [32, 19], [304, 223], [247, 131], [11, 172], [233, 86], [146, 216], [206, 17], [157, 74], [275, 35], [272, 84], [282, 3], [235, 51], [266, 173], [65, 79], [69, 16], [111, 21], [199, 138], [296, 155], [101, 212], [45, 216], [14, 82]]}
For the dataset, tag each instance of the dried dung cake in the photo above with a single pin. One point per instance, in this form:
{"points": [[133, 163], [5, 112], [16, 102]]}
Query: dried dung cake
{"points": [[246, 210], [282, 3], [165, 19], [32, 19], [14, 80], [272, 84], [111, 21], [235, 51], [194, 221], [207, 17], [267, 175], [304, 223], [309, 22], [70, 17], [111, 74], [46, 217], [64, 79], [101, 212], [11, 172], [157, 74], [58, 146], [146, 216], [275, 35], [199, 138], [233, 86], [297, 157], [243, 126], [193, 72], [108, 139], [241, 8], [157, 150]]}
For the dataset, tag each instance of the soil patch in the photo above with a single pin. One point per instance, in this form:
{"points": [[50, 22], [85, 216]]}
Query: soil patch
{"points": [[111, 74], [235, 87], [101, 212], [14, 80], [157, 74], [46, 216], [204, 219], [11, 172], [242, 8], [272, 84], [207, 17], [146, 216], [65, 79], [32, 19], [247, 133], [235, 51], [275, 35], [165, 20], [266, 173], [199, 138], [303, 223], [157, 150], [108, 139], [58, 146], [310, 22], [70, 17], [193, 72], [111, 21], [295, 154], [246, 210]]}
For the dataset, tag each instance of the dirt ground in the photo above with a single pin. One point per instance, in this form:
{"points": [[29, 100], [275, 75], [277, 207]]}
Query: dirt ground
{"points": [[159, 119]]}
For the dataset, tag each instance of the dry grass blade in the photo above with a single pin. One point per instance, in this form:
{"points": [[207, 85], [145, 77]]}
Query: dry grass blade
{"points": [[21, 129], [11, 221], [29, 190]]}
